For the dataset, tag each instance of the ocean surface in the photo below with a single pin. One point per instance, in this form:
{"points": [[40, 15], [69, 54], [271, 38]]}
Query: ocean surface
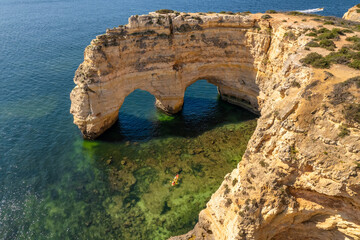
{"points": [[55, 185]]}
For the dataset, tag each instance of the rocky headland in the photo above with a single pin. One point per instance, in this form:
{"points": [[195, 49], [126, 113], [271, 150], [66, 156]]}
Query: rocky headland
{"points": [[353, 14], [300, 175]]}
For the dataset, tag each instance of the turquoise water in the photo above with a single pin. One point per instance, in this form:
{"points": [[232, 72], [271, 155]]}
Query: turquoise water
{"points": [[53, 184]]}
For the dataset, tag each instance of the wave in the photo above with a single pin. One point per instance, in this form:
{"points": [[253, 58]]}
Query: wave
{"points": [[311, 10]]}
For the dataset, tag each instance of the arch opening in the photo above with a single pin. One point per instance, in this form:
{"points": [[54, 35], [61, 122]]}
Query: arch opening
{"points": [[202, 110], [241, 91]]}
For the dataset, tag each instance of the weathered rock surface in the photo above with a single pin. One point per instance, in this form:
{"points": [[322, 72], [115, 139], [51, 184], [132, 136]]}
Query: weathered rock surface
{"points": [[164, 54], [353, 14], [300, 176]]}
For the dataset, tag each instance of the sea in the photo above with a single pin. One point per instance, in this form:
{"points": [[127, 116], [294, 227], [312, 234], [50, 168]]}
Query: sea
{"points": [[54, 184]]}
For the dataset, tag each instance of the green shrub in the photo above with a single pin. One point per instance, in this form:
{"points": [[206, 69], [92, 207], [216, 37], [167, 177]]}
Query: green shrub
{"points": [[323, 30], [327, 44], [316, 19], [355, 55], [356, 46], [312, 34], [227, 12], [312, 44], [338, 31], [164, 11], [340, 60], [358, 10], [316, 60], [329, 23], [295, 13], [358, 5], [353, 39], [343, 131], [355, 64], [321, 63], [271, 11], [339, 57], [328, 35], [347, 31], [266, 16], [311, 57], [344, 50]]}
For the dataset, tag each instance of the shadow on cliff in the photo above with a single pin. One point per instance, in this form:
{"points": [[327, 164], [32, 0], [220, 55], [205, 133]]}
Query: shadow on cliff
{"points": [[198, 116]]}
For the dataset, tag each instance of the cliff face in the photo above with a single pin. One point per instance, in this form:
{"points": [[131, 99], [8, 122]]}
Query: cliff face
{"points": [[299, 178], [353, 14]]}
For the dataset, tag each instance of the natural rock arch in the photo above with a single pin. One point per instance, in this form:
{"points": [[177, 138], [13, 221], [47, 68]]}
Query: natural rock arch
{"points": [[164, 58]]}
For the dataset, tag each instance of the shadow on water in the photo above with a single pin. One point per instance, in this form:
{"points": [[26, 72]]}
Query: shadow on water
{"points": [[199, 114]]}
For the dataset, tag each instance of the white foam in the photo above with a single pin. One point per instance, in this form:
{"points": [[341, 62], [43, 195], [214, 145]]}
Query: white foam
{"points": [[311, 10]]}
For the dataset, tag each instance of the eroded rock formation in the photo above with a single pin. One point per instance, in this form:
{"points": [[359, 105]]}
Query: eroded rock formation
{"points": [[164, 54], [300, 176], [353, 14]]}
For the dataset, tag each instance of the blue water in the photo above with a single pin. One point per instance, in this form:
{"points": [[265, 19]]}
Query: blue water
{"points": [[41, 46]]}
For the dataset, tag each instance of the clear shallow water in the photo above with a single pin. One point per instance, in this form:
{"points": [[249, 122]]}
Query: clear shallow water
{"points": [[52, 183]]}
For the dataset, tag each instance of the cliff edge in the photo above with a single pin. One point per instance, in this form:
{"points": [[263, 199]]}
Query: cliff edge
{"points": [[300, 175], [353, 14]]}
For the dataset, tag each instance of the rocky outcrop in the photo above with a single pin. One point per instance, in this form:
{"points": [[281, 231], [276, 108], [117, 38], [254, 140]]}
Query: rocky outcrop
{"points": [[300, 176], [164, 54], [353, 14]]}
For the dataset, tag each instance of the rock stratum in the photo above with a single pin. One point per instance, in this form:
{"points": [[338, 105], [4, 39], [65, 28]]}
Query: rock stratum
{"points": [[300, 175], [353, 14]]}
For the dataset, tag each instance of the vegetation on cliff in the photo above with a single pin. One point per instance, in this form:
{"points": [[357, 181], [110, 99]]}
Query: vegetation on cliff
{"points": [[348, 54], [164, 11]]}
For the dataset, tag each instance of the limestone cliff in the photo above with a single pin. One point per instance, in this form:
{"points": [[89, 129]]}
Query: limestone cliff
{"points": [[299, 178], [353, 14], [164, 54]]}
